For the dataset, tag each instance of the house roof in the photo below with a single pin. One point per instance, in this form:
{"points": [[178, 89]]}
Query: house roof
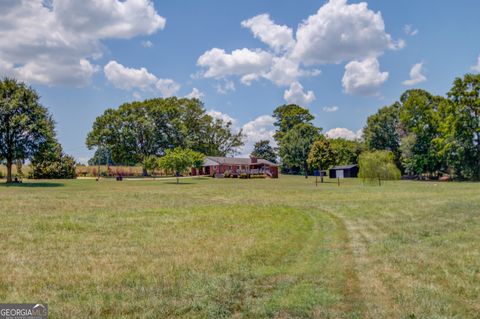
{"points": [[345, 166], [216, 160]]}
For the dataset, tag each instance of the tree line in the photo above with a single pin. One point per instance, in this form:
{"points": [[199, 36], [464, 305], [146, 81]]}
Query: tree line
{"points": [[423, 134], [303, 148], [139, 132], [432, 135]]}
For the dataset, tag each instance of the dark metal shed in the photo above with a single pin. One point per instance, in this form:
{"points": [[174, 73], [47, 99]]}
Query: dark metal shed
{"points": [[345, 171]]}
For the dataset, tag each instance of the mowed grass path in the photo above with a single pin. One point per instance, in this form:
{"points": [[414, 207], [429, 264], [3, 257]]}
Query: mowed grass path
{"points": [[221, 248]]}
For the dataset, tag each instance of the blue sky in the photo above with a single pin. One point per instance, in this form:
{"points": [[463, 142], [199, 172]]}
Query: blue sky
{"points": [[244, 58]]}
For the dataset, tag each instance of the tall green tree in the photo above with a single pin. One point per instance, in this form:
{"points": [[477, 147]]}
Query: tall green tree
{"points": [[382, 131], [220, 139], [179, 160], [295, 147], [462, 127], [321, 155], [263, 149], [287, 116], [24, 123], [420, 121], [137, 130], [129, 132], [205, 134]]}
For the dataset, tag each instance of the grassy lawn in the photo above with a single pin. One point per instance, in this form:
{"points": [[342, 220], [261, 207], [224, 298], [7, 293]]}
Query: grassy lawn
{"points": [[220, 248]]}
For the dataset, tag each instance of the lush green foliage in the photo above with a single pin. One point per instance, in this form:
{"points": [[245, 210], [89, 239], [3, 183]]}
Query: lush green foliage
{"points": [[263, 149], [460, 141], [346, 152], [138, 130], [50, 162], [378, 165], [321, 155], [294, 134], [63, 167], [151, 163], [295, 147], [420, 120], [382, 130], [179, 160], [287, 116], [432, 135], [24, 123], [201, 250]]}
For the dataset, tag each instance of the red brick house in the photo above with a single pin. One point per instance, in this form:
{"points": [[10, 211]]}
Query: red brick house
{"points": [[217, 166]]}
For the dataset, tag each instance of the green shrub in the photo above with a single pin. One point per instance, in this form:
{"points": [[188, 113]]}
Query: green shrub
{"points": [[378, 165], [60, 168]]}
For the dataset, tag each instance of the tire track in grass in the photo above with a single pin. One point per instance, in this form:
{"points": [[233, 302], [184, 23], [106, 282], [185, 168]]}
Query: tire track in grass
{"points": [[353, 303], [325, 267], [377, 300]]}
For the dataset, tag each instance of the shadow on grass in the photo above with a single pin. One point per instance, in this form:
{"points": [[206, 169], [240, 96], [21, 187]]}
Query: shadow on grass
{"points": [[29, 185]]}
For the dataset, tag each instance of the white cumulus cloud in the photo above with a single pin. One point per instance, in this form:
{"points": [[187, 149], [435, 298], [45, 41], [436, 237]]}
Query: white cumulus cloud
{"points": [[56, 42], [167, 87], [126, 78], [277, 37], [285, 71], [341, 132], [416, 75], [261, 128], [195, 94], [109, 18], [219, 64], [338, 32], [222, 116], [363, 77], [342, 32], [296, 95]]}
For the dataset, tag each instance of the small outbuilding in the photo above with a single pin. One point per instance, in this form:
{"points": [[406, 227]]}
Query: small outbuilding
{"points": [[346, 171]]}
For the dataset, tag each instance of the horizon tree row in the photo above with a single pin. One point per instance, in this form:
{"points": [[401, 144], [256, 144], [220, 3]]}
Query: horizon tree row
{"points": [[427, 135], [432, 135], [136, 131], [303, 148]]}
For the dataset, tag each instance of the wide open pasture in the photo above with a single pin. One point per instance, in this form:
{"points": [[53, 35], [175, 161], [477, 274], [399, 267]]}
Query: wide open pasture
{"points": [[221, 248]]}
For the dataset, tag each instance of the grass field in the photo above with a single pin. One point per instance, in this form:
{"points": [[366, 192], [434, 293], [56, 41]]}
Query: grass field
{"points": [[220, 248]]}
